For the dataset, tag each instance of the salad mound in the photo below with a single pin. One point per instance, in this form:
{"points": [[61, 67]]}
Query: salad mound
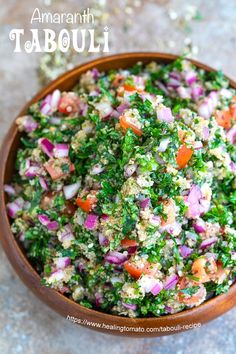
{"points": [[124, 192]]}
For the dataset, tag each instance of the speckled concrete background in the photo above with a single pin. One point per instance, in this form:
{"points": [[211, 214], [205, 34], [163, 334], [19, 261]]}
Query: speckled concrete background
{"points": [[208, 28]]}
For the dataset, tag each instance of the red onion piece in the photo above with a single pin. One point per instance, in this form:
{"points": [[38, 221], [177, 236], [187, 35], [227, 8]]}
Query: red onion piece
{"points": [[198, 145], [46, 146], [95, 73], [62, 262], [50, 225], [157, 288], [155, 220], [185, 251], [199, 226], [55, 99], [132, 249], [104, 108], [66, 234], [55, 120], [97, 169], [130, 169], [129, 306], [191, 77], [32, 171], [208, 242], [45, 108], [14, 207], [163, 145], [71, 190], [61, 150], [205, 133], [196, 92], [164, 114], [231, 135], [91, 222], [171, 282], [193, 201], [98, 299], [114, 257], [9, 189], [103, 241], [232, 166], [183, 92], [122, 107], [29, 124], [208, 105], [43, 183], [144, 203]]}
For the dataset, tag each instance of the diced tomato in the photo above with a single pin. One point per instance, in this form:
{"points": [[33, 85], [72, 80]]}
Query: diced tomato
{"points": [[128, 87], [54, 167], [184, 154], [224, 118], [133, 269], [128, 243], [68, 104], [86, 204], [126, 124], [136, 270]]}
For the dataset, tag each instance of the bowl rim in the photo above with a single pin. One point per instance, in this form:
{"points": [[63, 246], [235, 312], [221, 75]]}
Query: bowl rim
{"points": [[28, 274]]}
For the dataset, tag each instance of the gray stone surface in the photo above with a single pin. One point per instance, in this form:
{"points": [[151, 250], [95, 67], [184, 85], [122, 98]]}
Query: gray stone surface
{"points": [[27, 325]]}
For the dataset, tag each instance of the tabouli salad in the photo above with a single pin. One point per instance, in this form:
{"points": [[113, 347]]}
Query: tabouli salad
{"points": [[124, 192]]}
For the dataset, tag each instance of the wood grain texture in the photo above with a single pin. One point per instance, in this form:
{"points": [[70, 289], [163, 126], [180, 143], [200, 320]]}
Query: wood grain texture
{"points": [[204, 313]]}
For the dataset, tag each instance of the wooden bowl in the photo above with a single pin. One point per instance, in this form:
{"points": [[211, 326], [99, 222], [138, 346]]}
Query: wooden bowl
{"points": [[138, 327]]}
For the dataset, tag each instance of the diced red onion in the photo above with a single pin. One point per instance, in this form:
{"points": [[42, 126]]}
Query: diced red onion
{"points": [[122, 107], [62, 262], [43, 183], [164, 114], [32, 171], [157, 288], [185, 251], [66, 234], [55, 99], [57, 275], [97, 169], [193, 201], [95, 73], [232, 166], [44, 220], [199, 226], [168, 309], [61, 150], [46, 146], [233, 254], [9, 189], [183, 92], [175, 75], [71, 190], [52, 225], [163, 145], [98, 299], [171, 282], [231, 135], [196, 92], [130, 306], [103, 241], [115, 257], [162, 87], [55, 120], [45, 108], [198, 145], [14, 207], [130, 169], [208, 105], [91, 222], [191, 77], [144, 203], [208, 242], [105, 109], [205, 133], [29, 124], [155, 220]]}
